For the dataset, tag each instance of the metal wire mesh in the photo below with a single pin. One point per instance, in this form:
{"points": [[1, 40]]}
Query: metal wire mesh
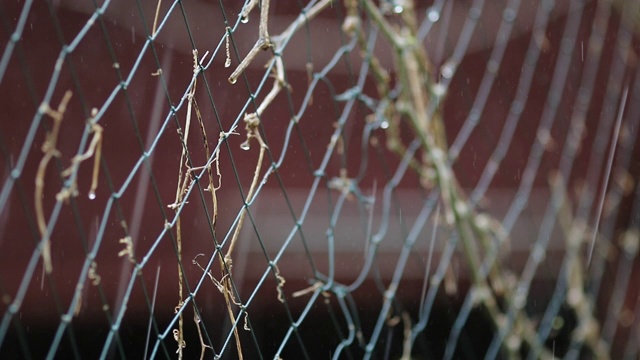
{"points": [[318, 179]]}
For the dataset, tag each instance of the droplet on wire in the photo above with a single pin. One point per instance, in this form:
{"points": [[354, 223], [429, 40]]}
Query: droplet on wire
{"points": [[227, 62], [433, 15], [92, 195], [398, 9], [448, 69], [244, 19], [245, 146]]}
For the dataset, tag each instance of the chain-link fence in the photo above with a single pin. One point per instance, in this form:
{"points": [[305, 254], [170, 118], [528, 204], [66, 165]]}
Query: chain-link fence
{"points": [[391, 179]]}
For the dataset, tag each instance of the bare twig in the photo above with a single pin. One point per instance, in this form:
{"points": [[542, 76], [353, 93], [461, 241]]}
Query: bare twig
{"points": [[50, 151], [406, 344], [253, 132], [197, 321], [263, 42], [95, 148], [155, 18], [252, 123], [317, 285], [183, 180], [280, 284], [416, 104]]}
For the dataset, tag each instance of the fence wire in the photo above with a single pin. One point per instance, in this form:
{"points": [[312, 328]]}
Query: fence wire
{"points": [[356, 179]]}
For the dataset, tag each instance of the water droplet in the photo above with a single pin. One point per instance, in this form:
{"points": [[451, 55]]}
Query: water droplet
{"points": [[434, 15], [398, 9], [439, 89], [447, 70], [227, 62], [384, 124], [92, 195], [509, 15], [519, 300], [232, 80], [244, 19], [475, 12], [245, 146], [493, 66]]}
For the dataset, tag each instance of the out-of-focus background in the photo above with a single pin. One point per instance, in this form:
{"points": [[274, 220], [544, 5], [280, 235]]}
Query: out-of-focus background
{"points": [[348, 247]]}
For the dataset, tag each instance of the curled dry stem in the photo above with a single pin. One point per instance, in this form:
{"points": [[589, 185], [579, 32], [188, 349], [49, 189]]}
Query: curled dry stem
{"points": [[197, 321], [263, 43], [50, 151], [94, 150], [422, 112], [184, 178]]}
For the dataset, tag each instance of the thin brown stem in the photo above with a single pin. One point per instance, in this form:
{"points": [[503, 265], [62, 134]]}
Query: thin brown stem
{"points": [[184, 178], [50, 151], [197, 321], [263, 42], [155, 18], [95, 148], [252, 132]]}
